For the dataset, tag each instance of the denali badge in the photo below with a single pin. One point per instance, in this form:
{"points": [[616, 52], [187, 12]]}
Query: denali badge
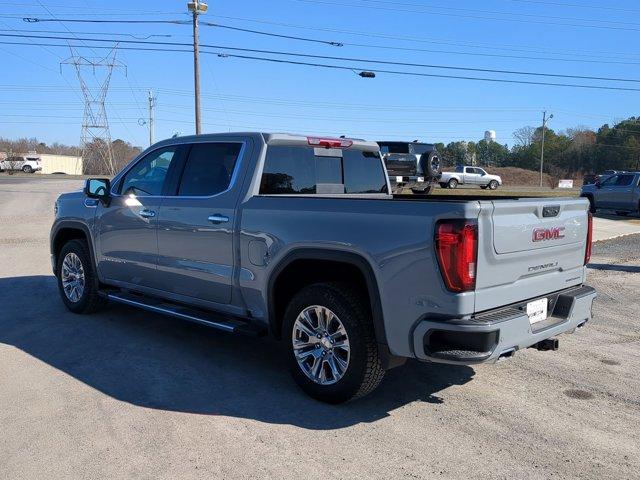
{"points": [[543, 234]]}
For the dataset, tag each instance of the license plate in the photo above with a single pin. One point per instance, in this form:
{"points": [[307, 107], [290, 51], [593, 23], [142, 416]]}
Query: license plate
{"points": [[420, 179], [398, 179], [537, 310]]}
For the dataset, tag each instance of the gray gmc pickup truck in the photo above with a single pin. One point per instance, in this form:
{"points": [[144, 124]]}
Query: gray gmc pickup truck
{"points": [[298, 237]]}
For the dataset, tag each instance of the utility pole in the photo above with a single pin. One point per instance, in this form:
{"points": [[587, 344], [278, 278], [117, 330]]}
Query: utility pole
{"points": [[544, 126], [196, 7], [152, 106]]}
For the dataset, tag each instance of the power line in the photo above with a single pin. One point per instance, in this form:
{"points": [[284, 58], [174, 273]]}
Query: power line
{"points": [[185, 22], [590, 55], [350, 68], [328, 57], [577, 5], [118, 34], [482, 14]]}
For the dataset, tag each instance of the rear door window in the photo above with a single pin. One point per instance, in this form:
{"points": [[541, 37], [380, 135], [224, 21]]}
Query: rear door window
{"points": [[624, 180], [298, 170], [208, 169]]}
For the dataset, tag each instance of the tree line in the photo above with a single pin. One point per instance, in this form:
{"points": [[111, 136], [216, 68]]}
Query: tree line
{"points": [[568, 154]]}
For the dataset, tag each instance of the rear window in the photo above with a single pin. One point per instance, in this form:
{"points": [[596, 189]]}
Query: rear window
{"points": [[420, 148], [298, 170], [394, 147]]}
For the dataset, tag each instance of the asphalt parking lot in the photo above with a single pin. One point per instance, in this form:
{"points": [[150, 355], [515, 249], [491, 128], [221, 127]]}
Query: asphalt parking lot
{"points": [[126, 393]]}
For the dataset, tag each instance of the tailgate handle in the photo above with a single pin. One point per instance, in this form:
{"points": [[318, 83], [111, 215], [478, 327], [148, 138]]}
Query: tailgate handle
{"points": [[550, 211]]}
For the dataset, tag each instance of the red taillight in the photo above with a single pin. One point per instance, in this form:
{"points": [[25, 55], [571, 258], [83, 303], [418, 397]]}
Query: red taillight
{"points": [[587, 253], [457, 250], [329, 142]]}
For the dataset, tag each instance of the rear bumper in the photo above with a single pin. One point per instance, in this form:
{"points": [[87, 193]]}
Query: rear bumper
{"points": [[500, 333]]}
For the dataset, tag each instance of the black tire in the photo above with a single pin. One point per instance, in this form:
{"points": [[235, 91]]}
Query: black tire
{"points": [[364, 371], [484, 187], [27, 169], [443, 185], [431, 166], [89, 301], [422, 191], [493, 185], [592, 204], [452, 183]]}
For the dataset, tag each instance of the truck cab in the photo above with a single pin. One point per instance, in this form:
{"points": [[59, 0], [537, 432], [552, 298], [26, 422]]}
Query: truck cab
{"points": [[619, 192]]}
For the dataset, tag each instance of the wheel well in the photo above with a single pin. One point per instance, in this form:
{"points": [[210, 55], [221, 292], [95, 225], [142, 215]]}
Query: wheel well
{"points": [[301, 273], [65, 235]]}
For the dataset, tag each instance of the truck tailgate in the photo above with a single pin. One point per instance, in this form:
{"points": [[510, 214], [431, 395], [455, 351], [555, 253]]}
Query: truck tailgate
{"points": [[529, 248]]}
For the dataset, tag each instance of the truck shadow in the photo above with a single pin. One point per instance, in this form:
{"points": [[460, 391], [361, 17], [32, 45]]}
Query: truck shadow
{"points": [[614, 267], [156, 362]]}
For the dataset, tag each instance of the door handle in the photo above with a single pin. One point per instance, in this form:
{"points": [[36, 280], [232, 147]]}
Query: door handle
{"points": [[144, 213], [217, 218]]}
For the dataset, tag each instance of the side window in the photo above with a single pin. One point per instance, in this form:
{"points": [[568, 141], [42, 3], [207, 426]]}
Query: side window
{"points": [[610, 181], [471, 170], [148, 175], [208, 169], [459, 169], [288, 170], [624, 180]]}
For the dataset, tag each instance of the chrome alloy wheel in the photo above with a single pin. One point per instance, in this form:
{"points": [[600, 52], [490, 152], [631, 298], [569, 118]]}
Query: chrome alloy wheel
{"points": [[320, 345], [73, 280]]}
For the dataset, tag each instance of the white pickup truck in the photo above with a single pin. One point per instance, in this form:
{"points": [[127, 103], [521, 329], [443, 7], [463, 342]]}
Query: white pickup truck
{"points": [[469, 176]]}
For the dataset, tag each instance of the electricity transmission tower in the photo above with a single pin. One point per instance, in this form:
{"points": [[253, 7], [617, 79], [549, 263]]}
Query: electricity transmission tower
{"points": [[95, 140]]}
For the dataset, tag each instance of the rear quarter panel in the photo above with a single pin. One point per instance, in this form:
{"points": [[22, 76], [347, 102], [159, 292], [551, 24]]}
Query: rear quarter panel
{"points": [[394, 237]]}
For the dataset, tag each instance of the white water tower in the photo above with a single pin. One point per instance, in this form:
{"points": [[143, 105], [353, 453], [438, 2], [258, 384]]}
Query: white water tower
{"points": [[490, 136]]}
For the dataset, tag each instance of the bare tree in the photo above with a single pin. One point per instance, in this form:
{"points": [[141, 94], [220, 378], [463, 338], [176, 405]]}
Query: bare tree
{"points": [[11, 161], [524, 136]]}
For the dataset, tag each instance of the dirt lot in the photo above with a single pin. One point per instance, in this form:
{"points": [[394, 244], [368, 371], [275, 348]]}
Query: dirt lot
{"points": [[125, 394]]}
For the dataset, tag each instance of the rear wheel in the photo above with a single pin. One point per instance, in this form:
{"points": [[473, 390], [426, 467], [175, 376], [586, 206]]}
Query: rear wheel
{"points": [[421, 191], [453, 183], [493, 184], [27, 169], [77, 282], [331, 348]]}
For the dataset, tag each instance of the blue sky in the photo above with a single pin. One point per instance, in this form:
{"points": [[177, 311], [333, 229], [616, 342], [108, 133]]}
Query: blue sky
{"points": [[569, 37]]}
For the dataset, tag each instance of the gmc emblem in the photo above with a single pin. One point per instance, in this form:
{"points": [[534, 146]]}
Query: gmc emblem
{"points": [[544, 234]]}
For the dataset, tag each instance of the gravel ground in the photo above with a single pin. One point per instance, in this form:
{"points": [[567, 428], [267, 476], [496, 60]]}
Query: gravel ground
{"points": [[125, 393]]}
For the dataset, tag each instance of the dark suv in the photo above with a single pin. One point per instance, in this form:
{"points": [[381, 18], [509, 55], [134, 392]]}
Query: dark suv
{"points": [[411, 165]]}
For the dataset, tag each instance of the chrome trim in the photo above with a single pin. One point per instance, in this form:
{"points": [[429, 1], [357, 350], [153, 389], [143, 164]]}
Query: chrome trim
{"points": [[172, 313], [145, 213], [217, 218]]}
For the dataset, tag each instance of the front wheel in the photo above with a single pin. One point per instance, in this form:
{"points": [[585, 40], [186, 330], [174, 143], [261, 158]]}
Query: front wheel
{"points": [[331, 347], [453, 183], [77, 283], [493, 184], [27, 169]]}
